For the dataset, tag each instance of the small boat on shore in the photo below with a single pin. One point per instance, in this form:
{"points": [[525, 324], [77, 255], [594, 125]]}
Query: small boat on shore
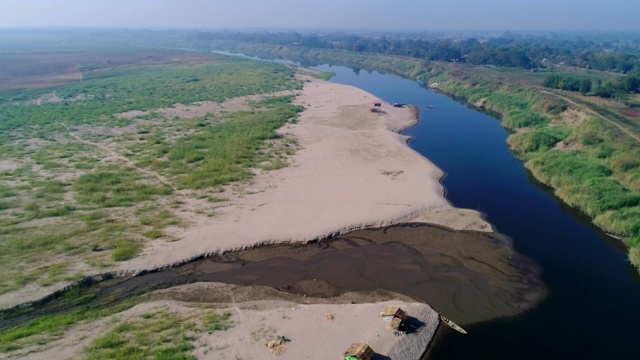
{"points": [[453, 325]]}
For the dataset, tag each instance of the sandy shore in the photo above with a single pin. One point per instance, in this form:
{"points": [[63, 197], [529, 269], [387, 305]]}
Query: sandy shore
{"points": [[354, 170], [323, 331], [315, 328]]}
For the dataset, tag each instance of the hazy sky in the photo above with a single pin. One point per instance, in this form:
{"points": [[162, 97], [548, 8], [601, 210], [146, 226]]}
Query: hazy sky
{"points": [[350, 14]]}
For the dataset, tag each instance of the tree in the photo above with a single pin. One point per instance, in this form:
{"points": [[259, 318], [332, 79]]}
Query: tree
{"points": [[585, 86]]}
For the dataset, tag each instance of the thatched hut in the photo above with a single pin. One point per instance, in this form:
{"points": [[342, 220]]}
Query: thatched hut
{"points": [[359, 351], [394, 317]]}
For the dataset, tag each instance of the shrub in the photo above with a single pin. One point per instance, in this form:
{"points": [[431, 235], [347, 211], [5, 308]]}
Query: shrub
{"points": [[537, 139], [126, 249]]}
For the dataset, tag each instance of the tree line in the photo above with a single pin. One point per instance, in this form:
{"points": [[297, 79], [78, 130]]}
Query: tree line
{"points": [[586, 86], [526, 52]]}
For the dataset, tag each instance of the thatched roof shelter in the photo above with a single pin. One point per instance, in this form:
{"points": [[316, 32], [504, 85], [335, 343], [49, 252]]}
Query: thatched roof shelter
{"points": [[394, 317], [394, 311], [359, 351]]}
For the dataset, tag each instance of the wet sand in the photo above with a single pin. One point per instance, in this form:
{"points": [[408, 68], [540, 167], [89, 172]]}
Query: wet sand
{"points": [[466, 276]]}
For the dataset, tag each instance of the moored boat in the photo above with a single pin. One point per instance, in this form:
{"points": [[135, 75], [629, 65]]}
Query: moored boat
{"points": [[453, 325]]}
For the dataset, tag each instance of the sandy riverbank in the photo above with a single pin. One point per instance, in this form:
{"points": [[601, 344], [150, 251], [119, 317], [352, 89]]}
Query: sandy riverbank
{"points": [[316, 328], [354, 170]]}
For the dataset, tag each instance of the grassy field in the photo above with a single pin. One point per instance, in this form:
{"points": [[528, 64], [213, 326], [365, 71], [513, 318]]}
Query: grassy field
{"points": [[84, 184], [156, 335]]}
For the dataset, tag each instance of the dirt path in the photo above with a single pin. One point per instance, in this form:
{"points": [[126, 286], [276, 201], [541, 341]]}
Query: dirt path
{"points": [[593, 112]]}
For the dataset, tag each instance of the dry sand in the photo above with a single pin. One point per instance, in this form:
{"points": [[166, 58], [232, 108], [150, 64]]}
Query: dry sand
{"points": [[354, 170], [320, 331]]}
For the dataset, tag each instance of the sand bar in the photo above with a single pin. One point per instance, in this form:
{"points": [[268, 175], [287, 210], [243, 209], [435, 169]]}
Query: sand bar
{"points": [[315, 328], [353, 170]]}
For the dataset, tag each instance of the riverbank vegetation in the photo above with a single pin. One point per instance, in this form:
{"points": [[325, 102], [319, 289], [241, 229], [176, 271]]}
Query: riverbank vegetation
{"points": [[93, 170], [586, 147]]}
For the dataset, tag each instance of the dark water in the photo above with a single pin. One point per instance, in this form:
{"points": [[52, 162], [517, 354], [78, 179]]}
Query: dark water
{"points": [[593, 307]]}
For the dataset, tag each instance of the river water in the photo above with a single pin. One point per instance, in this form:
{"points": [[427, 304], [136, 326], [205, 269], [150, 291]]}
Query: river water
{"points": [[592, 310]]}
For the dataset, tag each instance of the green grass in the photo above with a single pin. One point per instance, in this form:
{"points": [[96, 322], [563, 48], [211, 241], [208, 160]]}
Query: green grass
{"points": [[46, 328], [71, 203], [147, 88], [324, 75], [218, 322], [126, 249], [218, 153], [153, 234], [156, 335], [522, 118], [116, 187], [538, 139], [160, 335]]}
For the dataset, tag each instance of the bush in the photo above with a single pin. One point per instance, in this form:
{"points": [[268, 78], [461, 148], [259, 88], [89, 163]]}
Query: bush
{"points": [[126, 249], [522, 118], [537, 139]]}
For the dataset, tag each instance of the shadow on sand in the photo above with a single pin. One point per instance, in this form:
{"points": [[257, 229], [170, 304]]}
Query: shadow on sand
{"points": [[412, 325]]}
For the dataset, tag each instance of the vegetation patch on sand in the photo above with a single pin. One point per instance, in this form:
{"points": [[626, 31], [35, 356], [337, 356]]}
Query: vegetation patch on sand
{"points": [[88, 187], [158, 335]]}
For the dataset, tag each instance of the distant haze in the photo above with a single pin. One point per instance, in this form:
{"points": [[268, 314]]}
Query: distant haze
{"points": [[610, 15]]}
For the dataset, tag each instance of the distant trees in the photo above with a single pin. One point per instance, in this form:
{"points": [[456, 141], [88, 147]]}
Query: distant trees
{"points": [[624, 85], [510, 50], [568, 83], [585, 86]]}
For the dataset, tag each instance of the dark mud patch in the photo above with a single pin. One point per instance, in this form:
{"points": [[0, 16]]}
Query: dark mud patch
{"points": [[466, 276]]}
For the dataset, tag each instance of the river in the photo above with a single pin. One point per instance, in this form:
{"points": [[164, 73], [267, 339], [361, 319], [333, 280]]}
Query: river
{"points": [[593, 305]]}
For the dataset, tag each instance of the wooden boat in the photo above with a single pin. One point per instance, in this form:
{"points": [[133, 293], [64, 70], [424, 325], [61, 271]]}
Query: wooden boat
{"points": [[613, 236], [453, 325], [429, 106]]}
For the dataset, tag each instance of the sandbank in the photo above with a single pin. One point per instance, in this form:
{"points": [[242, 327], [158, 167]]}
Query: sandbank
{"points": [[353, 171], [315, 328]]}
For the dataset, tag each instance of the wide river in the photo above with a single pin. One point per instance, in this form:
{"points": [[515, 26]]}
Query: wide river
{"points": [[592, 310]]}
